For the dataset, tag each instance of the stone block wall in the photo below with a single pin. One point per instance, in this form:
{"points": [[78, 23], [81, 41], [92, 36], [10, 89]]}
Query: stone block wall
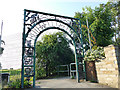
{"points": [[108, 69]]}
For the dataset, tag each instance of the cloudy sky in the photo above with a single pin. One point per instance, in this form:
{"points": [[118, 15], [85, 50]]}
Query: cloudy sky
{"points": [[11, 11]]}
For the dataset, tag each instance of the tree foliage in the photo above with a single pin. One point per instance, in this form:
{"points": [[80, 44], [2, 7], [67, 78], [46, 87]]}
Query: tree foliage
{"points": [[99, 21], [86, 14], [51, 51], [114, 5], [102, 25]]}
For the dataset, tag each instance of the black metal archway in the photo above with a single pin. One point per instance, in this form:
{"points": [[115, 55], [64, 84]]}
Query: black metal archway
{"points": [[35, 23]]}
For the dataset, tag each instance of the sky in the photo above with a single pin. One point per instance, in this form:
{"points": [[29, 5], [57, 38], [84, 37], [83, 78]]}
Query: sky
{"points": [[12, 14], [12, 11]]}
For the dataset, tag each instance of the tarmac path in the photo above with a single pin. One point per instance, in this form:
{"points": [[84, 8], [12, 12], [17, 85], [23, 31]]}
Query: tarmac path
{"points": [[66, 82]]}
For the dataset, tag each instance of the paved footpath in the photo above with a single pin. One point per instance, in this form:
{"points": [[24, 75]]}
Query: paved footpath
{"points": [[66, 82]]}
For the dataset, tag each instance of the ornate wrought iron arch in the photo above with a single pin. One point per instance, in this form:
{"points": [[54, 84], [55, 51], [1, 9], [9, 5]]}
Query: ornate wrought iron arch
{"points": [[35, 23]]}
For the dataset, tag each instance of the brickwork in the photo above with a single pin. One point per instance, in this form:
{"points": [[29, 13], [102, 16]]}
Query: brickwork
{"points": [[108, 69]]}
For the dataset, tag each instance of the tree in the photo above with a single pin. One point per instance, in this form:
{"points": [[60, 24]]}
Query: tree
{"points": [[114, 6], [99, 24], [116, 20], [88, 13], [117, 16], [102, 25], [51, 51]]}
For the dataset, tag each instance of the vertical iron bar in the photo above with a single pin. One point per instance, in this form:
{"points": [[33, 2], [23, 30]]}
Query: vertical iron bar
{"points": [[34, 61], [82, 47], [23, 49], [34, 68], [76, 61]]}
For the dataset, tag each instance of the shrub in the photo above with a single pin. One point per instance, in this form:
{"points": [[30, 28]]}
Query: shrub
{"points": [[16, 83], [94, 54], [15, 72]]}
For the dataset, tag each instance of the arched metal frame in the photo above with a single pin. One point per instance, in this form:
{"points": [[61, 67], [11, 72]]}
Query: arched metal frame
{"points": [[35, 23]]}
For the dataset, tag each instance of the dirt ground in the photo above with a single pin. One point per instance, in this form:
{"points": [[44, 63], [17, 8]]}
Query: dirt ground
{"points": [[66, 82]]}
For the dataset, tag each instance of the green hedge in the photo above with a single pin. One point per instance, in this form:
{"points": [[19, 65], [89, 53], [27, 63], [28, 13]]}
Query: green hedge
{"points": [[12, 72]]}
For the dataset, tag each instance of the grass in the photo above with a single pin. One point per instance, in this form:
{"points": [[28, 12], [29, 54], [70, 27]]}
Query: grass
{"points": [[15, 82], [16, 74], [12, 72], [13, 75]]}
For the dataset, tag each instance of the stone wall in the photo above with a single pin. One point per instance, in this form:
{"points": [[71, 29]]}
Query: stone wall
{"points": [[108, 69]]}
